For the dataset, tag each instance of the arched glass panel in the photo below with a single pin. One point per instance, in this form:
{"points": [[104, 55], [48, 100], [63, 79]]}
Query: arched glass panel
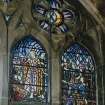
{"points": [[78, 77], [28, 71]]}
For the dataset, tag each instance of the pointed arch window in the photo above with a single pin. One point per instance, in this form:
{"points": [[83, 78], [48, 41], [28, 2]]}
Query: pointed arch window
{"points": [[78, 76], [28, 76]]}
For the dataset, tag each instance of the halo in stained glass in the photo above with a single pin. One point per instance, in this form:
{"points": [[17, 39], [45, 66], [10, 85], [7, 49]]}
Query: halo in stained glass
{"points": [[78, 77], [29, 71]]}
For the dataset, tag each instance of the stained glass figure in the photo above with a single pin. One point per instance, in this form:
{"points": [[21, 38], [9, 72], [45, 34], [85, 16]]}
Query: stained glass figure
{"points": [[54, 17], [78, 77], [29, 71]]}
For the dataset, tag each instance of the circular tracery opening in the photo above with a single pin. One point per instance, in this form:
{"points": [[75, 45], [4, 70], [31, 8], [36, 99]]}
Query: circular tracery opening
{"points": [[54, 17]]}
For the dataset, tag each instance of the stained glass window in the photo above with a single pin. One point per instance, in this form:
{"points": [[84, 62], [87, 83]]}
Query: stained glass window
{"points": [[78, 76], [52, 15], [28, 71]]}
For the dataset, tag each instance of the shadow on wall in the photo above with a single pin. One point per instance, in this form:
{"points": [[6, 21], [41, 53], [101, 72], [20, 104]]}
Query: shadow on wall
{"points": [[100, 4]]}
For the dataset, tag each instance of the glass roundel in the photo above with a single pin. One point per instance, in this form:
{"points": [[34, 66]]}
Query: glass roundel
{"points": [[78, 77], [28, 71], [54, 17]]}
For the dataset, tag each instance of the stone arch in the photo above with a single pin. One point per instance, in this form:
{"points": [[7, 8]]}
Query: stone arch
{"points": [[78, 73], [28, 74]]}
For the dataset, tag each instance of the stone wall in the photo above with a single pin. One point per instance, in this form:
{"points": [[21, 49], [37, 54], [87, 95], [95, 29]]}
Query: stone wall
{"points": [[16, 21]]}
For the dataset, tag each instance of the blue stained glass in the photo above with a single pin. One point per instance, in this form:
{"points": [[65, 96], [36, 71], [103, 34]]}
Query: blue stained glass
{"points": [[78, 77], [39, 9], [68, 14], [29, 71], [63, 28], [44, 25], [54, 4], [53, 16]]}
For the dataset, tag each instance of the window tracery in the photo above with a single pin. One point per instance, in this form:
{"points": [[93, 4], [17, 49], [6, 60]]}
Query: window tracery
{"points": [[53, 16], [78, 77], [28, 71]]}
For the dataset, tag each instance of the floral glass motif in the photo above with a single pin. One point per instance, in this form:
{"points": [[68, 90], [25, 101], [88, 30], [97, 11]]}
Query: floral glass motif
{"points": [[53, 16], [78, 77], [29, 71]]}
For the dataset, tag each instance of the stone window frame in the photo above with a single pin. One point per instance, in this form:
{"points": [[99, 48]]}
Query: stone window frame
{"points": [[9, 34]]}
